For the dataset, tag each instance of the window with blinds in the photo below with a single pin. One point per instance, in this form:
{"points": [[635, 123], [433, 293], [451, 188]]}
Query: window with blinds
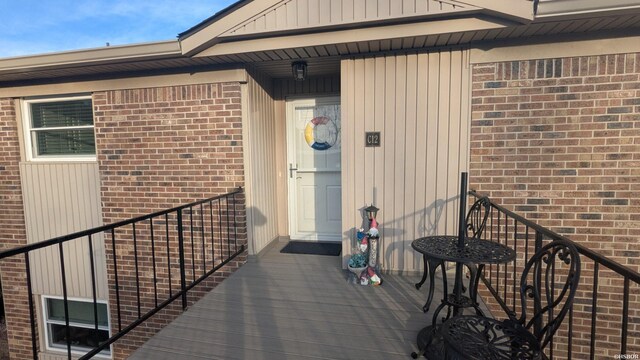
{"points": [[61, 128]]}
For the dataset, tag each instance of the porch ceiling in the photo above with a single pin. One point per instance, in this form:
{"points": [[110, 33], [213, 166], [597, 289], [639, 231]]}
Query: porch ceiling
{"points": [[324, 58]]}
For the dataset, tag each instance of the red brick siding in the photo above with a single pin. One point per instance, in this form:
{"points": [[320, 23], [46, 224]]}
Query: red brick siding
{"points": [[14, 287], [558, 141], [158, 148]]}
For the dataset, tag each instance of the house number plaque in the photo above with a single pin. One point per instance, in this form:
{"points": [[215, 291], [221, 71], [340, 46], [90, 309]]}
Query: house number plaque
{"points": [[372, 139]]}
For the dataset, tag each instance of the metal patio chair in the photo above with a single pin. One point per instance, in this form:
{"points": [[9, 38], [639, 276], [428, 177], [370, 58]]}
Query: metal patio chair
{"points": [[545, 300]]}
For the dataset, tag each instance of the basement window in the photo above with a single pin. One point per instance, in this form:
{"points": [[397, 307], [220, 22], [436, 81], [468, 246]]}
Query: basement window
{"points": [[83, 332], [60, 128]]}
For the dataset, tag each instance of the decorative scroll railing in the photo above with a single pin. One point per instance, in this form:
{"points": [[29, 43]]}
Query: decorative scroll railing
{"points": [[151, 261], [604, 320]]}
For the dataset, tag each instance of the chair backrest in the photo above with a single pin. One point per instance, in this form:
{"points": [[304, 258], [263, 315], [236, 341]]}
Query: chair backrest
{"points": [[477, 217], [542, 288]]}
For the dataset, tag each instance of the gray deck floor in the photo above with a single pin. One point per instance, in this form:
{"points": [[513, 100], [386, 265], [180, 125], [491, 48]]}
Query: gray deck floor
{"points": [[285, 306]]}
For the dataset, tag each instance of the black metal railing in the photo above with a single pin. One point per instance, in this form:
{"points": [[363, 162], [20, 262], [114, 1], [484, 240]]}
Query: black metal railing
{"points": [[151, 261], [599, 318]]}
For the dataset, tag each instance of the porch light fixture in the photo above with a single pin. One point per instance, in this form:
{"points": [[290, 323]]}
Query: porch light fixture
{"points": [[299, 70], [371, 212]]}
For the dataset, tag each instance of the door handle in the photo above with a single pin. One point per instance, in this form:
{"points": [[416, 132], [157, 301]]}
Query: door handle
{"points": [[292, 169]]}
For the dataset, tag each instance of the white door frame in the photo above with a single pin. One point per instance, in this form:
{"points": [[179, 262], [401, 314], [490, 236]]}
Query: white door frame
{"points": [[291, 102]]}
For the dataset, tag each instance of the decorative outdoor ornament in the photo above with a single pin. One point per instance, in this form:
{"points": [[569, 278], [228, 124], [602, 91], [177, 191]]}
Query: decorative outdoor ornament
{"points": [[321, 133], [363, 263]]}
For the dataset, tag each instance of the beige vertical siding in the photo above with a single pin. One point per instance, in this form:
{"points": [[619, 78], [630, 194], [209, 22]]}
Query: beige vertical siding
{"points": [[59, 199], [296, 14], [420, 104], [261, 177], [289, 88]]}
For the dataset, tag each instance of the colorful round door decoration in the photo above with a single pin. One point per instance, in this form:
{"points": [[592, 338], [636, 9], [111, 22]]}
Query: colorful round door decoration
{"points": [[321, 133]]}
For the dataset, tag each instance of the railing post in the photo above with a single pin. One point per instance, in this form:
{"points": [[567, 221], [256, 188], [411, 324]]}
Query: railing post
{"points": [[538, 243], [183, 285], [538, 283]]}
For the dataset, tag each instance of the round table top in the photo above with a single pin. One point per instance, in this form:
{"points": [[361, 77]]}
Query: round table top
{"points": [[445, 247], [477, 337]]}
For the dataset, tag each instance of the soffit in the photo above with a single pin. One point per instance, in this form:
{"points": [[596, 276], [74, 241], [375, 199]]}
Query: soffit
{"points": [[324, 59]]}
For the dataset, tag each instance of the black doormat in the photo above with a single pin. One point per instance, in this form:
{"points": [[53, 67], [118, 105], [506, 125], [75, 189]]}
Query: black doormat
{"points": [[312, 248]]}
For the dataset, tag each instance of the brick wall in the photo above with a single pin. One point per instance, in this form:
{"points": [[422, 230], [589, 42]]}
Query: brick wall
{"points": [[558, 141], [14, 288], [159, 148]]}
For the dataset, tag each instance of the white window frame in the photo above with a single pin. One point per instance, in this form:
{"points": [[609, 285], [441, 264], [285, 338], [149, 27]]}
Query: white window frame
{"points": [[30, 152], [45, 321]]}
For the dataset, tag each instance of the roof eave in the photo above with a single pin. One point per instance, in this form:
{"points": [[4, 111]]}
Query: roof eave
{"points": [[520, 11], [152, 50], [568, 9]]}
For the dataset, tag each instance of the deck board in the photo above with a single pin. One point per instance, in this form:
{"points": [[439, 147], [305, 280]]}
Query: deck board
{"points": [[286, 306]]}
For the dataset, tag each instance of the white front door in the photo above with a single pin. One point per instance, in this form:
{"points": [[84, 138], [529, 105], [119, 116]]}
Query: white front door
{"points": [[313, 138]]}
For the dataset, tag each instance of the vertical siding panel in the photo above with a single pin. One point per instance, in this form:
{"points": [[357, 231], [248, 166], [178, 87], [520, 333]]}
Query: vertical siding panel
{"points": [[379, 165], [348, 154], [422, 204], [359, 9], [263, 150], [449, 161], [395, 8], [347, 10], [465, 110], [433, 77], [52, 218], [271, 19], [399, 171], [292, 14], [336, 11], [360, 126], [391, 228], [421, 6], [409, 142], [408, 7], [63, 198], [419, 103], [368, 164], [454, 127], [442, 146], [78, 250], [303, 12], [281, 17], [383, 8], [281, 161], [314, 12], [256, 25], [324, 12], [371, 9], [308, 13]]}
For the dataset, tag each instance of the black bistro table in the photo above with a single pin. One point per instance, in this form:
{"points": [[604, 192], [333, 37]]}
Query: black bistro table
{"points": [[472, 251]]}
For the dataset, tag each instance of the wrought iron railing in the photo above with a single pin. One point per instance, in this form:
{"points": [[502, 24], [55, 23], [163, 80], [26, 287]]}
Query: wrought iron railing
{"points": [[600, 323], [141, 254]]}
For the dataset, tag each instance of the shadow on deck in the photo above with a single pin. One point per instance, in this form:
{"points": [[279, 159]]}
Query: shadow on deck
{"points": [[285, 306]]}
